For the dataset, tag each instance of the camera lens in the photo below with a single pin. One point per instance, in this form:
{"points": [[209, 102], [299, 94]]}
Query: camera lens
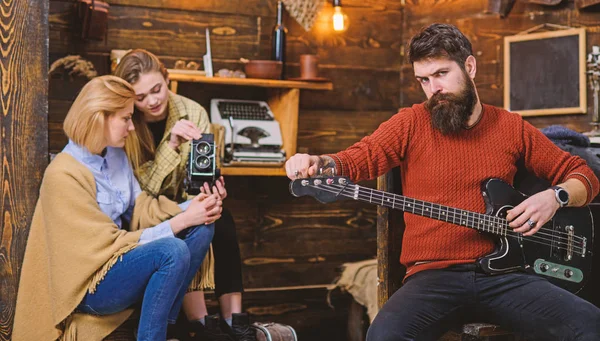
{"points": [[202, 162], [203, 148]]}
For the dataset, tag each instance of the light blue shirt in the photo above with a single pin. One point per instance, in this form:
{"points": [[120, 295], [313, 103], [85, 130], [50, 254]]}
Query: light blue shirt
{"points": [[116, 187]]}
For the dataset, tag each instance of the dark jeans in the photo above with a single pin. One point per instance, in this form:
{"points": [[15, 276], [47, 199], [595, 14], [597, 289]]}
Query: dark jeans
{"points": [[433, 301], [228, 264], [155, 275]]}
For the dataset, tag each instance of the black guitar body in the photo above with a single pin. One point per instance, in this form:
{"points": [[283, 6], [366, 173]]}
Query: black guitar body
{"points": [[549, 259]]}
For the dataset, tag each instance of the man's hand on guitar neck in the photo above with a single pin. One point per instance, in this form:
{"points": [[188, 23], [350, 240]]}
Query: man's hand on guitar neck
{"points": [[306, 166]]}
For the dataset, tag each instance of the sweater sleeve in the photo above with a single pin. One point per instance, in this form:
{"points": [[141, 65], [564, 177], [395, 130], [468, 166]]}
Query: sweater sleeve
{"points": [[547, 161], [377, 153]]}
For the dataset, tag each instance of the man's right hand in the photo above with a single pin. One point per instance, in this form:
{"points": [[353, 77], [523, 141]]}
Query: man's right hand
{"points": [[302, 166]]}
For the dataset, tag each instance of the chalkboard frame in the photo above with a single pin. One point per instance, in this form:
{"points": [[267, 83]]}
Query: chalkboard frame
{"points": [[520, 38]]}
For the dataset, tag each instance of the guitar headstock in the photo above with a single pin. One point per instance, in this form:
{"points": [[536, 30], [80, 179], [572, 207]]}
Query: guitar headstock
{"points": [[324, 189]]}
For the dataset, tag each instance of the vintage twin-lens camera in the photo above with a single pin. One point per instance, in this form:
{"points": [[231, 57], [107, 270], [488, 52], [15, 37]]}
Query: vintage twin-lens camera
{"points": [[202, 164]]}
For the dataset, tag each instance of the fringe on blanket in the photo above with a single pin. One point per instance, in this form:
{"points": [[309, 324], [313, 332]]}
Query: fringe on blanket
{"points": [[205, 277], [100, 274]]}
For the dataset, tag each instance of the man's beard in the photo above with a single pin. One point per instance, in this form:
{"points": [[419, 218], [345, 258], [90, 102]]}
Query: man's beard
{"points": [[450, 112]]}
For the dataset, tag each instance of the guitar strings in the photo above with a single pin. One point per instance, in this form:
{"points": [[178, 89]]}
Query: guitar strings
{"points": [[536, 238], [508, 232], [469, 219], [557, 241], [486, 217]]}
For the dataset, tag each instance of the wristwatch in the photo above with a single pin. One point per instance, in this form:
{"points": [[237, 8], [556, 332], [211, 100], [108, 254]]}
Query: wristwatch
{"points": [[562, 196]]}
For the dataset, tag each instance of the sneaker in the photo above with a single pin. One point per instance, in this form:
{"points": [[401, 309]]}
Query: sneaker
{"points": [[240, 329], [210, 331]]}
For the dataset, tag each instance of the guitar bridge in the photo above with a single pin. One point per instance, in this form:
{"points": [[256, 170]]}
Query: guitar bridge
{"points": [[570, 234]]}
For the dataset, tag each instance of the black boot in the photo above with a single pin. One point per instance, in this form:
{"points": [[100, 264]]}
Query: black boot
{"points": [[178, 331], [210, 331], [240, 329]]}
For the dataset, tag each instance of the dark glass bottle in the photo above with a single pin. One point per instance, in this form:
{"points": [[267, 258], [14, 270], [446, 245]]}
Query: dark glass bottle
{"points": [[278, 39]]}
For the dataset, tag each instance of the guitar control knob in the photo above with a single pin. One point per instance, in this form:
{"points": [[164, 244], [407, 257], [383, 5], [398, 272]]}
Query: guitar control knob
{"points": [[568, 273], [544, 267]]}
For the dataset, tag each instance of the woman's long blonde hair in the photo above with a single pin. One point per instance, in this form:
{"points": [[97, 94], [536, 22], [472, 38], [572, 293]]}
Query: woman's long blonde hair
{"points": [[98, 99], [132, 65]]}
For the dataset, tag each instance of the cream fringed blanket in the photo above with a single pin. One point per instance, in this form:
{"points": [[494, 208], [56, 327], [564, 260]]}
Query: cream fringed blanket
{"points": [[71, 246], [360, 280]]}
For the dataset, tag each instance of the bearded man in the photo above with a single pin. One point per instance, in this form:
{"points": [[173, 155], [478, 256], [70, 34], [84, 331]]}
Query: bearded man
{"points": [[446, 148]]}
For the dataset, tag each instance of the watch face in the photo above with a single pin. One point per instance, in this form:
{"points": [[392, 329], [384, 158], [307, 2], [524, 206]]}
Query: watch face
{"points": [[563, 195]]}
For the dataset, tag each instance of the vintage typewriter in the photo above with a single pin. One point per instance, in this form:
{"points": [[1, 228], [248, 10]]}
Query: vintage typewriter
{"points": [[252, 135]]}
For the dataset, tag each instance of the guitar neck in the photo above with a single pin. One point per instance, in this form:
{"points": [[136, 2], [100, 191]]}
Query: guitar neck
{"points": [[474, 220]]}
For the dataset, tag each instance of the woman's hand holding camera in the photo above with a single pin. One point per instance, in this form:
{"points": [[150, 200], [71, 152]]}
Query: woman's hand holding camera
{"points": [[182, 131], [218, 188], [203, 209]]}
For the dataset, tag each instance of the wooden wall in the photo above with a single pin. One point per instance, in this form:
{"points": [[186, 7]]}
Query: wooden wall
{"points": [[23, 143], [289, 243], [487, 32]]}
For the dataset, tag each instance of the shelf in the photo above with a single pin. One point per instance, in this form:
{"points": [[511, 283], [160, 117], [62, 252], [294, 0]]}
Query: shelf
{"points": [[283, 97], [199, 77], [262, 171]]}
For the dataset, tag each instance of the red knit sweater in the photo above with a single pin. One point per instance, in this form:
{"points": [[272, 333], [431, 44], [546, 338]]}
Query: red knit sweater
{"points": [[449, 170]]}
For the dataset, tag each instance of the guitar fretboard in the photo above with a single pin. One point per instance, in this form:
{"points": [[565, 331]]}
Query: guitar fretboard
{"points": [[475, 220]]}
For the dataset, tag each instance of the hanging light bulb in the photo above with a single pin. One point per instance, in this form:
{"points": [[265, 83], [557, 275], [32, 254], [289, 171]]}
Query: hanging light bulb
{"points": [[340, 19]]}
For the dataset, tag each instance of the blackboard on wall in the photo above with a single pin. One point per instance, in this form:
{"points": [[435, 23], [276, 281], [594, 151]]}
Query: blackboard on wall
{"points": [[544, 73]]}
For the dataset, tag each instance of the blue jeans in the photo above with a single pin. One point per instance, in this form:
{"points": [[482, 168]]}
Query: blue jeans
{"points": [[433, 301], [155, 275]]}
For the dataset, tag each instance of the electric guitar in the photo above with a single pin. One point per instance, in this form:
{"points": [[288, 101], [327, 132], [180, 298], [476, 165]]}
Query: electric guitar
{"points": [[561, 250]]}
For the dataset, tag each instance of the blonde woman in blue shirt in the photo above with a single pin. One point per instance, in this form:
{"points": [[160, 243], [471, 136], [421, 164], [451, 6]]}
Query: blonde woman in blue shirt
{"points": [[83, 268]]}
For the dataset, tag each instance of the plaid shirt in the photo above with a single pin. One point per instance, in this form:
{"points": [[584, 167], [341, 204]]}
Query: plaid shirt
{"points": [[164, 175]]}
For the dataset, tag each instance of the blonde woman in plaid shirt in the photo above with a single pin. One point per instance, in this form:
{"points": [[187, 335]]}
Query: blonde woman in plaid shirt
{"points": [[165, 123]]}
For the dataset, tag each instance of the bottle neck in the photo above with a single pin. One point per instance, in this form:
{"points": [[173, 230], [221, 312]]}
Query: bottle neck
{"points": [[279, 12]]}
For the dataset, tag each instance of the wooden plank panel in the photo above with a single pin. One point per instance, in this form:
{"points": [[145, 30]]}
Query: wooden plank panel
{"points": [[57, 139], [328, 131], [373, 39], [420, 10], [288, 271], [355, 89], [246, 7], [23, 62], [380, 5], [160, 31], [307, 221]]}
